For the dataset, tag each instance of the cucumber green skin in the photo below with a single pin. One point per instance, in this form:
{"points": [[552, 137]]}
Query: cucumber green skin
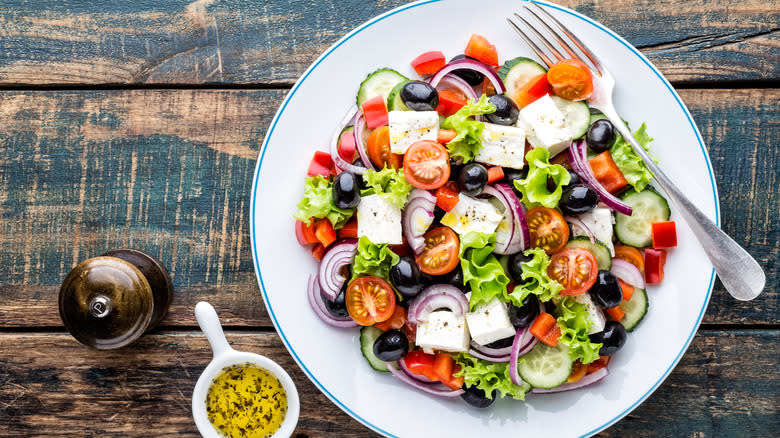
{"points": [[635, 230], [577, 115], [394, 102], [380, 82], [516, 72], [635, 308], [368, 336], [598, 249], [546, 355]]}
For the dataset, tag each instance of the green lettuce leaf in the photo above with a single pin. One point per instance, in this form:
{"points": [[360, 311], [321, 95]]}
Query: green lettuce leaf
{"points": [[388, 183], [537, 281], [467, 143], [481, 269], [533, 188], [634, 169], [317, 203], [372, 259], [574, 323], [489, 376]]}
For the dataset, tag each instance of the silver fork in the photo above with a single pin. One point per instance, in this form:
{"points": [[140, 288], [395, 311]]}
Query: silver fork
{"points": [[738, 271]]}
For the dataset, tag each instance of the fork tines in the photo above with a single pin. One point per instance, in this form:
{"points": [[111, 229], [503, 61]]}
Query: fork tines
{"points": [[563, 36]]}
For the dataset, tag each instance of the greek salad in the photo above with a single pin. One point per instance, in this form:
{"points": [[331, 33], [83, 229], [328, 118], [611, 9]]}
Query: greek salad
{"points": [[488, 233]]}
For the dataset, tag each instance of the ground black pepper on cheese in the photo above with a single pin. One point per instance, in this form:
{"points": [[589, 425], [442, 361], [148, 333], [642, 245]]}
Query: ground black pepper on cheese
{"points": [[246, 400]]}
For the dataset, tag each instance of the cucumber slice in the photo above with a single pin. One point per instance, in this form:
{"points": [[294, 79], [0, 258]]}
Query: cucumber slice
{"points": [[546, 367], [577, 115], [394, 102], [379, 83], [648, 206], [368, 336], [517, 72], [598, 249], [635, 308]]}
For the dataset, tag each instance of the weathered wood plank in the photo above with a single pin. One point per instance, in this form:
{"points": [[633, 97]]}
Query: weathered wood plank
{"points": [[240, 42], [169, 171], [51, 386]]}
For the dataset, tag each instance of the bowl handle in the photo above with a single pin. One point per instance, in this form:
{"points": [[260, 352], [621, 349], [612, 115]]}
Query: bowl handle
{"points": [[209, 324]]}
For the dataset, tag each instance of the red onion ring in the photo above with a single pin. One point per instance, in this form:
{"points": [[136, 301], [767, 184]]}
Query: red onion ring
{"points": [[339, 162], [628, 273], [419, 210], [435, 297], [452, 81], [524, 342], [581, 224], [430, 388], [583, 382], [402, 364], [485, 357], [359, 127], [315, 301], [470, 64], [579, 163], [521, 224], [340, 254]]}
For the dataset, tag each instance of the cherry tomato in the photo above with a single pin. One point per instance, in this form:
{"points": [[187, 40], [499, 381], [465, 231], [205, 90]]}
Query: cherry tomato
{"points": [[440, 255], [427, 165], [576, 269], [378, 148], [396, 320], [631, 255], [571, 79], [450, 101], [370, 300], [548, 229]]}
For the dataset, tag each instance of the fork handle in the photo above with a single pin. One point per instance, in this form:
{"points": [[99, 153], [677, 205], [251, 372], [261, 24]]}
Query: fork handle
{"points": [[738, 270]]}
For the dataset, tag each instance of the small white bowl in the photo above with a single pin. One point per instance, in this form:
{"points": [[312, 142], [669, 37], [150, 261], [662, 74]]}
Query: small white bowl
{"points": [[225, 356]]}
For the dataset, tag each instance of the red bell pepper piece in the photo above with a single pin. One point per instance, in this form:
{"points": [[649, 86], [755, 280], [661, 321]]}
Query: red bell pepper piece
{"points": [[318, 251], [429, 63], [495, 173], [655, 259], [305, 233], [664, 234], [546, 329], [450, 101], [421, 363], [447, 196], [480, 49], [321, 164], [324, 232], [616, 313], [349, 230], [375, 112], [607, 173]]}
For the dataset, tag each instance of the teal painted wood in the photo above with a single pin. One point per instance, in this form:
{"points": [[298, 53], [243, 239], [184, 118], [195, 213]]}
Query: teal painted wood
{"points": [[271, 42], [147, 386], [169, 171]]}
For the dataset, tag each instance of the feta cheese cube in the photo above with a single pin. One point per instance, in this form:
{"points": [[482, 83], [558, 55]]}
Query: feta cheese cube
{"points": [[502, 146], [600, 222], [379, 220], [545, 125], [596, 316], [407, 127], [489, 322], [443, 331], [472, 215]]}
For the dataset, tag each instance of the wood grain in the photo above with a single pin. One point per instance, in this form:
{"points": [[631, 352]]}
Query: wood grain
{"points": [[169, 171], [52, 386], [241, 42]]}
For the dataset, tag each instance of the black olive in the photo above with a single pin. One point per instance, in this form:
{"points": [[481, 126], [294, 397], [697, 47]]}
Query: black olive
{"points": [[391, 345], [524, 315], [346, 190], [515, 266], [551, 185], [501, 343], [455, 168], [405, 276], [510, 175], [472, 179], [612, 338], [337, 307], [419, 96], [474, 78], [454, 278], [573, 179], [601, 135], [476, 397], [606, 291], [438, 213], [578, 199], [506, 111]]}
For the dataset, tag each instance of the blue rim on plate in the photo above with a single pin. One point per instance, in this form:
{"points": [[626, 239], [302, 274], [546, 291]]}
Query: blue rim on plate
{"points": [[302, 79]]}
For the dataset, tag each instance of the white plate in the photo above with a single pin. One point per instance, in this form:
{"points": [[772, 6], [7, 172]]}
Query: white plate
{"points": [[331, 357]]}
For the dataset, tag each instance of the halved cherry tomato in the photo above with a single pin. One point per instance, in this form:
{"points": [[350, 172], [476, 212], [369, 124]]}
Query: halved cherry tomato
{"points": [[396, 321], [450, 101], [370, 300], [536, 87], [548, 229], [429, 62], [321, 164], [375, 112], [378, 148], [427, 165], [446, 135], [447, 196], [631, 255], [480, 49], [576, 269], [578, 371], [571, 79], [421, 363], [440, 255], [305, 233]]}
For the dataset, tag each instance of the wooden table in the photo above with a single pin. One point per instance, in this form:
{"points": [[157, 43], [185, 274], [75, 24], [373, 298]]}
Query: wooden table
{"points": [[137, 124]]}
